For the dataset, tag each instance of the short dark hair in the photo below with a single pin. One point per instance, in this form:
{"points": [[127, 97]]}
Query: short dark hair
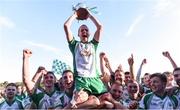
{"points": [[117, 71], [11, 84], [162, 77], [51, 72], [65, 71], [127, 72], [176, 69], [147, 74]]}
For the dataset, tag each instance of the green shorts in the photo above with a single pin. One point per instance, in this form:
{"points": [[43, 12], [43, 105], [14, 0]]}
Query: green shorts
{"points": [[92, 85]]}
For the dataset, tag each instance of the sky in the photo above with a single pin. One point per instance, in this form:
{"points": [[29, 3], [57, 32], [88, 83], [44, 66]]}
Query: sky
{"points": [[144, 28]]}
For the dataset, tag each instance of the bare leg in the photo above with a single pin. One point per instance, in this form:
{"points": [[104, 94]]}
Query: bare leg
{"points": [[92, 102]]}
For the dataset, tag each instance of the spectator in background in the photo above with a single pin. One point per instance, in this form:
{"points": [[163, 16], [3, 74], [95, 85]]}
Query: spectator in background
{"points": [[20, 94], [1, 96], [170, 79], [145, 86]]}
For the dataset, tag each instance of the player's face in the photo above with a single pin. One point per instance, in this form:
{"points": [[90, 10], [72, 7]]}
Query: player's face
{"points": [[116, 91], [132, 87], [118, 76], [157, 85], [68, 80], [49, 80], [177, 77], [127, 77], [11, 92], [83, 33], [19, 89], [146, 80]]}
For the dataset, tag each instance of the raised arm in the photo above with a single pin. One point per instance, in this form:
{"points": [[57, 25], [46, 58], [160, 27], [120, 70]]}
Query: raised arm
{"points": [[167, 55], [105, 70], [131, 66], [25, 71], [105, 64], [67, 26], [40, 71], [139, 71], [38, 76], [102, 63], [98, 26]]}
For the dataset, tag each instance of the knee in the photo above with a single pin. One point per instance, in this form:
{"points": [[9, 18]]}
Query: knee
{"points": [[95, 100]]}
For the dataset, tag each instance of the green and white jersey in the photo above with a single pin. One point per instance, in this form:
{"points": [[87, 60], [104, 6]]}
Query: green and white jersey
{"points": [[126, 102], [127, 99], [54, 100], [84, 58], [177, 93], [15, 105], [1, 99], [152, 101], [20, 96], [26, 102], [146, 89]]}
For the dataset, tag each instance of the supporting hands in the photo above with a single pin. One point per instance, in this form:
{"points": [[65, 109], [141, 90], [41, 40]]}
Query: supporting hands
{"points": [[107, 97], [79, 97], [133, 105]]}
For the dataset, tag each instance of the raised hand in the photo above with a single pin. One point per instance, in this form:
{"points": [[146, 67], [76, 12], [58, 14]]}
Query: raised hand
{"points": [[166, 54], [102, 54], [41, 69], [131, 60], [144, 61], [27, 53], [120, 67], [133, 105]]}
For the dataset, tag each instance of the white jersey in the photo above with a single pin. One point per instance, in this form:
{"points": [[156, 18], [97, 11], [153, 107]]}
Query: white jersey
{"points": [[55, 100], [16, 105], [84, 58], [152, 101], [26, 102]]}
